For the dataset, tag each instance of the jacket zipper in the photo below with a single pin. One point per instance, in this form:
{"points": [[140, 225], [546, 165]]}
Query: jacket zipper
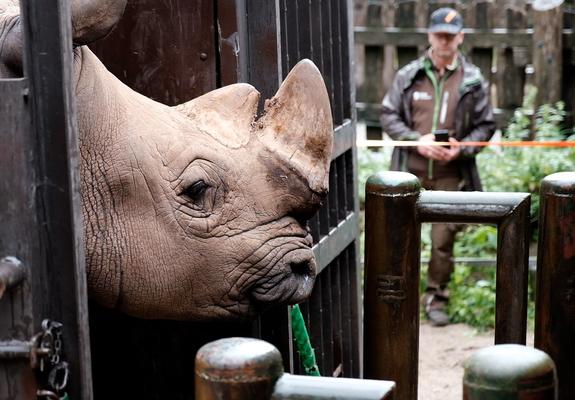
{"points": [[438, 88]]}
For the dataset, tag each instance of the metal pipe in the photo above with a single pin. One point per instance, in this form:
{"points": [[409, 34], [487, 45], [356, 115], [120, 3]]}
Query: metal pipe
{"points": [[12, 273], [509, 372], [391, 289], [292, 387], [468, 207], [555, 300], [510, 212]]}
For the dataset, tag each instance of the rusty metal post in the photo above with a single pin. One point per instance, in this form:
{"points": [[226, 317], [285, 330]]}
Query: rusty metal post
{"points": [[391, 289], [251, 369], [237, 368], [509, 372], [555, 295]]}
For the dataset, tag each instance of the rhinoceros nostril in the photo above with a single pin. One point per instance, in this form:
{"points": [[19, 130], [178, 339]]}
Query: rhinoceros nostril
{"points": [[300, 268]]}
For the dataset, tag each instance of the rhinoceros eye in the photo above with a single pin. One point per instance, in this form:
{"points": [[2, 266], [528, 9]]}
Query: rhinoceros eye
{"points": [[196, 190]]}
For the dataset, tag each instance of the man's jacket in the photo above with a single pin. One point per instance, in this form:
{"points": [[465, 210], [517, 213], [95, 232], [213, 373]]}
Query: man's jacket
{"points": [[473, 119]]}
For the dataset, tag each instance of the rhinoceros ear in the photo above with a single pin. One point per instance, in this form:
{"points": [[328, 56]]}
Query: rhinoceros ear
{"points": [[297, 124], [226, 113]]}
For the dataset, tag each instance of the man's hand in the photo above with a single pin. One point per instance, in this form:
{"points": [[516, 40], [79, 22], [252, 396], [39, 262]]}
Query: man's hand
{"points": [[438, 153]]}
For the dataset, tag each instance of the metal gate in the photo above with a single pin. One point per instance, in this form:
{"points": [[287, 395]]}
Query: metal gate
{"points": [[224, 42]]}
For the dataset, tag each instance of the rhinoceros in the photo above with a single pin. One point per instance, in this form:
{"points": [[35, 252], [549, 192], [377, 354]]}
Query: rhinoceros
{"points": [[198, 211]]}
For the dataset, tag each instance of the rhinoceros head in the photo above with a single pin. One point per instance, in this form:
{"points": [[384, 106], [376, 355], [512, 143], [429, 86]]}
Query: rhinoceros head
{"points": [[199, 211]]}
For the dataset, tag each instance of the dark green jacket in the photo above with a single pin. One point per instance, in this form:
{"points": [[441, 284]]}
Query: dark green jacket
{"points": [[473, 119]]}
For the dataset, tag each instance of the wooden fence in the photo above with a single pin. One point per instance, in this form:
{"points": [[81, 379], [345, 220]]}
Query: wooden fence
{"points": [[511, 43]]}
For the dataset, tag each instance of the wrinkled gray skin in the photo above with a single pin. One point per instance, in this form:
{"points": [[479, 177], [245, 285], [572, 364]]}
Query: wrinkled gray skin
{"points": [[195, 212]]}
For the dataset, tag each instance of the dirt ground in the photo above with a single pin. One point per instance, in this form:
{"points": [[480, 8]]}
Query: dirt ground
{"points": [[442, 352]]}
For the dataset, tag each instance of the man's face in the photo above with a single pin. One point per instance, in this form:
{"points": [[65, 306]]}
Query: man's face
{"points": [[445, 45]]}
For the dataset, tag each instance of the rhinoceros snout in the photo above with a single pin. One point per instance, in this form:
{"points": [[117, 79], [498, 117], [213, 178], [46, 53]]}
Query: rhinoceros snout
{"points": [[291, 280]]}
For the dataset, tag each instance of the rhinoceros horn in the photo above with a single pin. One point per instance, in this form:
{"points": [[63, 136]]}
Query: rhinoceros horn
{"points": [[296, 125]]}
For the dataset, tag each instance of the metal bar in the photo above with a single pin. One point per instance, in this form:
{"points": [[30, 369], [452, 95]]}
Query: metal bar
{"points": [[391, 289], [343, 138], [335, 323], [12, 273], [15, 350], [333, 195], [338, 239], [555, 301], [290, 387], [468, 207], [512, 275]]}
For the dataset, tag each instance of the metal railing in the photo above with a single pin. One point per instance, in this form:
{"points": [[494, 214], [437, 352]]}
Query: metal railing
{"points": [[395, 208]]}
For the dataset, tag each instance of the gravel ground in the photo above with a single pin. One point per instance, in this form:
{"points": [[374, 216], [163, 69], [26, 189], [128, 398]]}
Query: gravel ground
{"points": [[442, 352]]}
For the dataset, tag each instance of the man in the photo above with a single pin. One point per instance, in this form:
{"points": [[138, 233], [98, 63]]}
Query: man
{"points": [[439, 91]]}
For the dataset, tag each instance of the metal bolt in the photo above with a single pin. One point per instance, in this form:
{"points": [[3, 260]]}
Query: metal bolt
{"points": [[203, 56]]}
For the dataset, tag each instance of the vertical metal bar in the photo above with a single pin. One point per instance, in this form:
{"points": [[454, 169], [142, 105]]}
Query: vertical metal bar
{"points": [[337, 64], [337, 314], [328, 59], [392, 254], [315, 322], [59, 281], [292, 33], [344, 21], [342, 187], [304, 27], [350, 181], [329, 313], [284, 37], [316, 33], [555, 301], [512, 276], [347, 287], [333, 195]]}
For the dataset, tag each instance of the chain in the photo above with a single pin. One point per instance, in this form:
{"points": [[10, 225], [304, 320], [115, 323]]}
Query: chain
{"points": [[53, 372]]}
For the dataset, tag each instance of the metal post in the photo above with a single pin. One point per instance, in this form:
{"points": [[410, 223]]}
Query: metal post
{"points": [[391, 297], [237, 368], [509, 372], [555, 300], [242, 368]]}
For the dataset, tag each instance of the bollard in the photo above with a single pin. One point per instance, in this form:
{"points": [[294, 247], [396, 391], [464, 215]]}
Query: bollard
{"points": [[555, 295], [509, 372], [391, 289], [251, 369], [237, 368]]}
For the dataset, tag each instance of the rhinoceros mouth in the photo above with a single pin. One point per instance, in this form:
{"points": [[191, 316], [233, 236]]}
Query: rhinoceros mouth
{"points": [[291, 284]]}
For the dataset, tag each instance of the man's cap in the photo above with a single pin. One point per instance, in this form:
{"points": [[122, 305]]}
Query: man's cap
{"points": [[446, 20]]}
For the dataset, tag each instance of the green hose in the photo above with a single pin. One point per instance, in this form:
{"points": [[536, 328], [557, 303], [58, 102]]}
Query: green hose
{"points": [[303, 344]]}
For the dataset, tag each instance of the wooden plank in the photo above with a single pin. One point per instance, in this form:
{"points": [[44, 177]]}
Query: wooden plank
{"points": [[405, 17], [473, 37], [372, 88], [164, 49], [482, 56], [510, 77], [547, 54], [228, 38], [18, 231], [58, 279]]}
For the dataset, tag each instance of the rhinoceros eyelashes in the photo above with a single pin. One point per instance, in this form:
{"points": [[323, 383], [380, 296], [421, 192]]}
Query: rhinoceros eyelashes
{"points": [[195, 192]]}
